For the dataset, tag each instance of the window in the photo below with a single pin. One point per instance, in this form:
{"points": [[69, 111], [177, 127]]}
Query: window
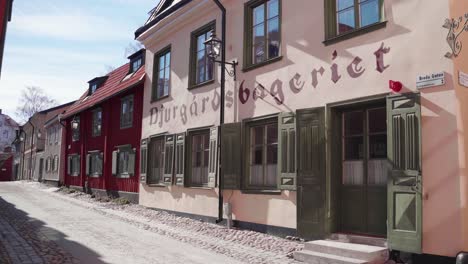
{"points": [[52, 164], [94, 87], [75, 129], [95, 160], [126, 112], [74, 165], [47, 165], [201, 66], [155, 160], [97, 122], [263, 31], [162, 74], [123, 161], [346, 16], [263, 155], [136, 64], [199, 153], [56, 162], [57, 131], [50, 135]]}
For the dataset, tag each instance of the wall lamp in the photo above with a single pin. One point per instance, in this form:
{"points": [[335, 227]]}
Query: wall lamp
{"points": [[213, 46]]}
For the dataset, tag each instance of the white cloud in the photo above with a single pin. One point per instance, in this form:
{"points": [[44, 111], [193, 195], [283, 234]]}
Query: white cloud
{"points": [[72, 26]]}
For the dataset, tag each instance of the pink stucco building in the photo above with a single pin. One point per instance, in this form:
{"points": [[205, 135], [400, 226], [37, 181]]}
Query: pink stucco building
{"points": [[345, 117]]}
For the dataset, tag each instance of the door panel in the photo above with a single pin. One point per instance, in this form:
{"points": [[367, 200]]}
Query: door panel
{"points": [[404, 184], [311, 173]]}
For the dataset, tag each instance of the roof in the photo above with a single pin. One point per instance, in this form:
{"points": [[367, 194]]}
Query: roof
{"points": [[52, 113], [162, 10], [117, 82]]}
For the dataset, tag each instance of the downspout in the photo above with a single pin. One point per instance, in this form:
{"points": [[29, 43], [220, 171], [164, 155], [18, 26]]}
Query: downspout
{"points": [[221, 117], [24, 149], [31, 145]]}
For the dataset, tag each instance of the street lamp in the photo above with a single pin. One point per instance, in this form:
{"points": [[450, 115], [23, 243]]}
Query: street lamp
{"points": [[214, 46], [75, 124]]}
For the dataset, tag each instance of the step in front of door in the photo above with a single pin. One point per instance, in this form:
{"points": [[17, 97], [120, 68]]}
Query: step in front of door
{"points": [[312, 257], [349, 251]]}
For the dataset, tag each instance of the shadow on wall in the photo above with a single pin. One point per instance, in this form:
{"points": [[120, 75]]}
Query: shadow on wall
{"points": [[441, 172], [44, 240]]}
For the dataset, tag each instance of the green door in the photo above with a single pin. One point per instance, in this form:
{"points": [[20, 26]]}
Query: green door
{"points": [[311, 176], [363, 206], [404, 181]]}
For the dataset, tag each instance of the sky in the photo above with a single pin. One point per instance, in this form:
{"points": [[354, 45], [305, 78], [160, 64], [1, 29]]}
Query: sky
{"points": [[59, 45]]}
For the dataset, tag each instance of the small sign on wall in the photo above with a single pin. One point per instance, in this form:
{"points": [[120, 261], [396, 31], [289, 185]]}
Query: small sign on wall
{"points": [[430, 80], [463, 78]]}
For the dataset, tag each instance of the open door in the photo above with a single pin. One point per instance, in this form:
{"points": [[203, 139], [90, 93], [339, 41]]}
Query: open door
{"points": [[404, 181], [311, 178]]}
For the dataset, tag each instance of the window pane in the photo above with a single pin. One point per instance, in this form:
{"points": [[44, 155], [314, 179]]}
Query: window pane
{"points": [[273, 8], [257, 156], [354, 123], [353, 173], [209, 70], [168, 59], [272, 134], [259, 53], [201, 66], [346, 21], [378, 147], [272, 154], [354, 148], [343, 4], [377, 120], [257, 133], [259, 34], [273, 38], [370, 12], [259, 14], [161, 63], [201, 42]]}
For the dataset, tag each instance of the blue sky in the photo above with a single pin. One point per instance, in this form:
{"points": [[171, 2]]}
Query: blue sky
{"points": [[59, 45]]}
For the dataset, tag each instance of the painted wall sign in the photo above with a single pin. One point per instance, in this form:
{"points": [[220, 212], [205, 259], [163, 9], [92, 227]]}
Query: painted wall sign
{"points": [[161, 114], [463, 78], [430, 80]]}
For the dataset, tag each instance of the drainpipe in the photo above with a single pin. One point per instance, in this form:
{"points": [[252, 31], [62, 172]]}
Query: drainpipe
{"points": [[221, 117], [32, 140]]}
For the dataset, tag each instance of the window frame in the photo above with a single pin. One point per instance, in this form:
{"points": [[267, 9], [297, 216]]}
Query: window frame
{"points": [[154, 89], [56, 163], [93, 154], [94, 122], [210, 26], [331, 22], [248, 63], [73, 172], [149, 155], [127, 98], [247, 125], [125, 174]]}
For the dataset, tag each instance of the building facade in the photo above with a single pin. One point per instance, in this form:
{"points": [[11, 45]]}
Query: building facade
{"points": [[6, 7], [343, 118], [8, 128], [103, 133]]}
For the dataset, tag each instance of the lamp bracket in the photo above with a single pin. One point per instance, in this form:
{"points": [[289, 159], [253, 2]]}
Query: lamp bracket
{"points": [[232, 72]]}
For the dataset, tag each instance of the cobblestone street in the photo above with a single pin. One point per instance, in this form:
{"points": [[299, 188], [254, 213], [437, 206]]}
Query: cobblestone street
{"points": [[41, 225]]}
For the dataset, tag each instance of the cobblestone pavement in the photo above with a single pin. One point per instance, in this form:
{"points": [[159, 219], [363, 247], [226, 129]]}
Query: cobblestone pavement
{"points": [[23, 241]]}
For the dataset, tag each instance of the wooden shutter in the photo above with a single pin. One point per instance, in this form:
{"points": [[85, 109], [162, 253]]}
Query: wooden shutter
{"points": [[180, 159], [88, 164], [101, 163], [78, 164], [213, 157], [404, 208], [69, 164], [143, 159], [231, 147], [115, 155], [287, 151], [169, 145], [131, 162], [311, 175]]}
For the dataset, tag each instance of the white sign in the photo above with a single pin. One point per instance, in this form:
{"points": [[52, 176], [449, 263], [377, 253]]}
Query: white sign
{"points": [[430, 80], [463, 78]]}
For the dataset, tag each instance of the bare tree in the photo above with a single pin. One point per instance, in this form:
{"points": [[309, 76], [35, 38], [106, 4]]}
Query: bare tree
{"points": [[108, 69], [33, 99], [132, 48]]}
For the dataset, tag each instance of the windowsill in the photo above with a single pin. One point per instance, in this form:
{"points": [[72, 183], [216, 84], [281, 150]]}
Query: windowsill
{"points": [[199, 187], [261, 64], [94, 175], [355, 33], [74, 175], [194, 86], [154, 100], [126, 127], [264, 192], [158, 185], [123, 176]]}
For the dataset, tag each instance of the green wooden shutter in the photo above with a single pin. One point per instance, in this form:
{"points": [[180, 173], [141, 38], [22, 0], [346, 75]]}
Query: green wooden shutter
{"points": [[404, 181], [311, 174], [143, 160], [231, 141], [88, 164], [180, 159], [169, 145], [131, 162], [287, 151], [213, 157], [69, 164], [115, 155]]}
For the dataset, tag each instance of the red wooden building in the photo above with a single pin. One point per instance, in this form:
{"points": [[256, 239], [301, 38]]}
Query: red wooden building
{"points": [[5, 17], [103, 132], [6, 166]]}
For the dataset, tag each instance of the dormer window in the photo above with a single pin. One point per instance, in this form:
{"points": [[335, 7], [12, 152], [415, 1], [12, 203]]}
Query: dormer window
{"points": [[96, 83], [136, 64], [137, 59], [93, 87]]}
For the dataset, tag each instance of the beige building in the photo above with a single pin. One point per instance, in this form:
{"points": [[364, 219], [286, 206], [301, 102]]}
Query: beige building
{"points": [[342, 119]]}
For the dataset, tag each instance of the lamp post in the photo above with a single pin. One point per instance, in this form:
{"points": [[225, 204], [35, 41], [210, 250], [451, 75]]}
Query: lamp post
{"points": [[217, 47]]}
